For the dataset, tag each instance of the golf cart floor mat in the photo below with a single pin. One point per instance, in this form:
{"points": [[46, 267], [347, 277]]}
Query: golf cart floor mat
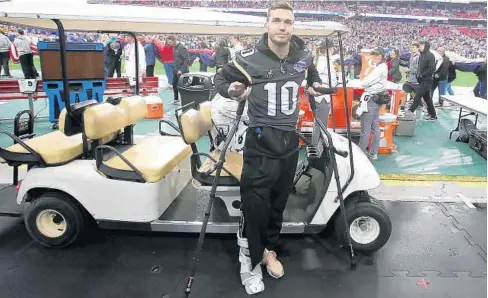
{"points": [[8, 199], [191, 204], [434, 251]]}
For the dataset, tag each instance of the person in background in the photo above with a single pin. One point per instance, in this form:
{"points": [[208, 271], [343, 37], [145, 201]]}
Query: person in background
{"points": [[222, 54], [236, 46], [4, 53], [412, 84], [480, 88], [369, 111], [425, 77], [323, 101], [180, 66], [394, 74], [203, 66], [114, 58], [150, 52], [167, 57], [441, 74], [130, 60], [451, 76], [251, 42], [26, 57]]}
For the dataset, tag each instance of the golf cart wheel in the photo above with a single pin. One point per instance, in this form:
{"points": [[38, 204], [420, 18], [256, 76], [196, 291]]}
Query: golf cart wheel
{"points": [[369, 226], [54, 220]]}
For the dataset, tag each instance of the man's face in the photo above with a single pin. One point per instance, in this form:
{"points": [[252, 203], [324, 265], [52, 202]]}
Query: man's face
{"points": [[422, 47], [413, 49], [129, 39], [280, 26], [170, 42]]}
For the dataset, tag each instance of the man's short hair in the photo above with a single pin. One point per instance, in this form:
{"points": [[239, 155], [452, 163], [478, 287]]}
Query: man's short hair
{"points": [[171, 37], [279, 5], [416, 44], [20, 31]]}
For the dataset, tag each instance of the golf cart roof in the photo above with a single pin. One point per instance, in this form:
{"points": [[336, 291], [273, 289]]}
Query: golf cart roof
{"points": [[78, 15]]}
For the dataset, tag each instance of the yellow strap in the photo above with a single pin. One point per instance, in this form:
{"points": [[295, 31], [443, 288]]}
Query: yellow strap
{"points": [[242, 70]]}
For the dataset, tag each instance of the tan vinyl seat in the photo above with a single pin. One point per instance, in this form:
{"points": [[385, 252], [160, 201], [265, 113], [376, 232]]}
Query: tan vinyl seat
{"points": [[57, 148], [154, 156], [233, 163], [194, 124], [54, 147]]}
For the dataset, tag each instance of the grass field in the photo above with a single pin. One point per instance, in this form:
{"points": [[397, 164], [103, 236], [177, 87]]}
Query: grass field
{"points": [[464, 79]]}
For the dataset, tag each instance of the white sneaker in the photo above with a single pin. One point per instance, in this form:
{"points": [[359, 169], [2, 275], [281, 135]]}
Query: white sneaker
{"points": [[252, 279]]}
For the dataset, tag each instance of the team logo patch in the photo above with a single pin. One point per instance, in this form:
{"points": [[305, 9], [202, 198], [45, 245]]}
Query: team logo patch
{"points": [[300, 66]]}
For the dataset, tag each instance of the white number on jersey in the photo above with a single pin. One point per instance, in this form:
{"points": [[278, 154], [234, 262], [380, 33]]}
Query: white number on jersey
{"points": [[288, 98]]}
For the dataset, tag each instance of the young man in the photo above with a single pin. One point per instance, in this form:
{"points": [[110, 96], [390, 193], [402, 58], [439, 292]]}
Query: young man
{"points": [[425, 77], [269, 77], [180, 64], [412, 84], [23, 45], [129, 55]]}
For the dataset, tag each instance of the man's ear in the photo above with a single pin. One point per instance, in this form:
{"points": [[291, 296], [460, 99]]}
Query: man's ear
{"points": [[266, 25]]}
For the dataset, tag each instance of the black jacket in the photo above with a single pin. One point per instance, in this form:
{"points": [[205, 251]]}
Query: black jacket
{"points": [[394, 71], [222, 56], [451, 74], [181, 59], [231, 74], [425, 73], [443, 71], [481, 73]]}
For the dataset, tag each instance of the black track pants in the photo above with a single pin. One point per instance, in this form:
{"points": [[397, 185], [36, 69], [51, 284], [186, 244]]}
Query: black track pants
{"points": [[266, 182]]}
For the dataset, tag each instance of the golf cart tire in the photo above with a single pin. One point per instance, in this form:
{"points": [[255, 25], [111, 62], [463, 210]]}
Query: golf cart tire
{"points": [[371, 210], [66, 223]]}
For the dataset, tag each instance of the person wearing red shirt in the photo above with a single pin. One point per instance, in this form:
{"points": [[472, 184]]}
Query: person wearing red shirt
{"points": [[167, 56]]}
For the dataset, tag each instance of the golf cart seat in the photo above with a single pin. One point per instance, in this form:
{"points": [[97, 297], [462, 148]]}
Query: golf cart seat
{"points": [[149, 160], [193, 125], [51, 149], [55, 148]]}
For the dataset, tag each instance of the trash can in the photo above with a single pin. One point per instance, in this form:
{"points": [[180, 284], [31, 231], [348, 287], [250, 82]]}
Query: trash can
{"points": [[196, 87]]}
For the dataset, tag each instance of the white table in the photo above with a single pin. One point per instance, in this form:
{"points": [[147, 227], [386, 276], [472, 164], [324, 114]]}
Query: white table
{"points": [[476, 106]]}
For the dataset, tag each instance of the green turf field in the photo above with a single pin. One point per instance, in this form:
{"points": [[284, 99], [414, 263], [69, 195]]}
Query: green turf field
{"points": [[464, 79]]}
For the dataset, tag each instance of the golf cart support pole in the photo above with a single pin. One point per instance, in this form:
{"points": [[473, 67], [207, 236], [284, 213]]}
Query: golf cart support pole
{"points": [[219, 166], [330, 146], [62, 56], [348, 125], [330, 83]]}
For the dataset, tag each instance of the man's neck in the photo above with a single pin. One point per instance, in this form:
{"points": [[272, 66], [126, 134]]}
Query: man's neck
{"points": [[280, 51]]}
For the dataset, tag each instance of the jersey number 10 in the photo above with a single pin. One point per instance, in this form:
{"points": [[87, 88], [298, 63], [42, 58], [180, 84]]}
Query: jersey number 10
{"points": [[288, 94]]}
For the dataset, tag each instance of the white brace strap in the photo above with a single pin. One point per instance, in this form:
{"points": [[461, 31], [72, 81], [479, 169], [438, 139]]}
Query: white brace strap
{"points": [[252, 279]]}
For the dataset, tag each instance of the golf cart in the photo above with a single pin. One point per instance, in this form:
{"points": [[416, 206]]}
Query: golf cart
{"points": [[94, 168]]}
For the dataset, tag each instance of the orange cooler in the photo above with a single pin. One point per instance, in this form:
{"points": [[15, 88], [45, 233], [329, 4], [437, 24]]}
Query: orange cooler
{"points": [[154, 107]]}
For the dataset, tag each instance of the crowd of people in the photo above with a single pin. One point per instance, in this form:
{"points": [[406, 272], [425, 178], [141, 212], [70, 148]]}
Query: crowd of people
{"points": [[450, 10]]}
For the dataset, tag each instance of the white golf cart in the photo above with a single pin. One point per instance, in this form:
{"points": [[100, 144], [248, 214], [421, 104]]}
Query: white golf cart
{"points": [[94, 168]]}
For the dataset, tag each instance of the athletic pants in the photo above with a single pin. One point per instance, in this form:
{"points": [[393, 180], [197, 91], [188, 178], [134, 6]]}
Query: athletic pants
{"points": [[370, 124], [266, 181], [424, 91], [322, 113]]}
